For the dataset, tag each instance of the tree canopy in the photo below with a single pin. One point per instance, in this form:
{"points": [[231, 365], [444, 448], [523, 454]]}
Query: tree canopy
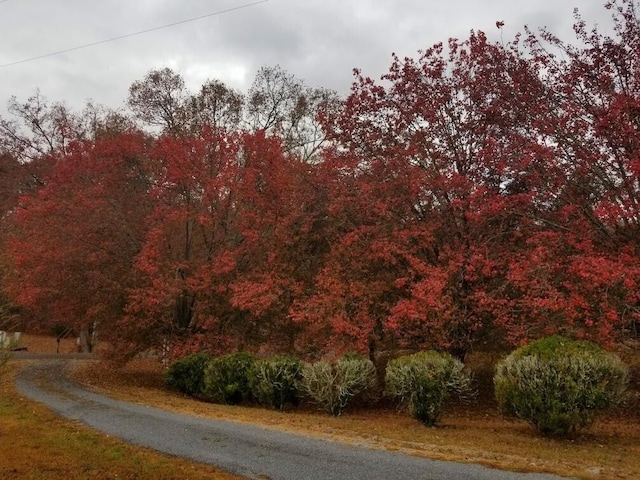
{"points": [[481, 193]]}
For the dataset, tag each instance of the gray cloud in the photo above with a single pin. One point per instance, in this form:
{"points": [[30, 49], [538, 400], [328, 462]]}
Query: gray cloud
{"points": [[320, 41]]}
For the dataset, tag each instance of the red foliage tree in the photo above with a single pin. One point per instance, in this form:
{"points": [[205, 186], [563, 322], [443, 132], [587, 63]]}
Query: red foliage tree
{"points": [[226, 251], [587, 259], [441, 160], [72, 244], [483, 192], [189, 225], [494, 195]]}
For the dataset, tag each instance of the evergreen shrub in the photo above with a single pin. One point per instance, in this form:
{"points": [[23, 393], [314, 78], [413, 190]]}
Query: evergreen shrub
{"points": [[333, 384], [424, 380], [559, 385], [226, 378], [274, 381], [186, 375]]}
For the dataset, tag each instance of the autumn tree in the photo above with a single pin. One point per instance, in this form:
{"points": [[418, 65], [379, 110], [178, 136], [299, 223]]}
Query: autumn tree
{"points": [[188, 227], [585, 278], [282, 105], [441, 159], [215, 105], [37, 128], [71, 245], [159, 100], [28, 141], [277, 103], [282, 221], [36, 131], [162, 100], [185, 120], [208, 134], [227, 249], [517, 188], [483, 192]]}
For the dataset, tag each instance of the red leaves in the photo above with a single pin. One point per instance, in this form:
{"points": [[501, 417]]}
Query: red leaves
{"points": [[73, 243], [231, 232], [480, 149], [477, 192]]}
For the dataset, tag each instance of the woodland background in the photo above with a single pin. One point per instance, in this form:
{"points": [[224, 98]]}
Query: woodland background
{"points": [[482, 194]]}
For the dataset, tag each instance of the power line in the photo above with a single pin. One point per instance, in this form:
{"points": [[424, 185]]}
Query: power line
{"points": [[141, 32]]}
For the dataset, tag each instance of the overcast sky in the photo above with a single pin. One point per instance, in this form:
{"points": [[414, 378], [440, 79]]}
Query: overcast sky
{"points": [[320, 41]]}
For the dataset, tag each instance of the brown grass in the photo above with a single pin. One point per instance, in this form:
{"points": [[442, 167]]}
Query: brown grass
{"points": [[37, 444], [474, 432], [47, 344]]}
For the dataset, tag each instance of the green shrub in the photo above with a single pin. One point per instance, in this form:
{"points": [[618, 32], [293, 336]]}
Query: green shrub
{"points": [[559, 385], [333, 385], [226, 378], [273, 381], [187, 374], [424, 380]]}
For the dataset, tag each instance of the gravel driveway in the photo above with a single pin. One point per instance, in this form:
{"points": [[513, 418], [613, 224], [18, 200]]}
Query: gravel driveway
{"points": [[241, 449]]}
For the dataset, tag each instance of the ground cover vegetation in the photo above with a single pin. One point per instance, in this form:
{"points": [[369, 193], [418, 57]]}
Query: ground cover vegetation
{"points": [[483, 194]]}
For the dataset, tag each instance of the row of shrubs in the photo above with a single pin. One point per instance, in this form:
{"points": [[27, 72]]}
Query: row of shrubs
{"points": [[421, 381], [556, 384]]}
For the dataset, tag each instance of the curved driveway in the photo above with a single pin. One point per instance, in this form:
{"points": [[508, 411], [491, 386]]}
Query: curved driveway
{"points": [[241, 449]]}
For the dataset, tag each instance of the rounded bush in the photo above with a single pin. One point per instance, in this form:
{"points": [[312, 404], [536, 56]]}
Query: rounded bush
{"points": [[273, 381], [333, 385], [186, 375], [226, 378], [559, 385], [424, 380]]}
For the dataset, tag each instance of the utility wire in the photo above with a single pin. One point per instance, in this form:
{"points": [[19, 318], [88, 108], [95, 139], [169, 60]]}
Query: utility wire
{"points": [[141, 32]]}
